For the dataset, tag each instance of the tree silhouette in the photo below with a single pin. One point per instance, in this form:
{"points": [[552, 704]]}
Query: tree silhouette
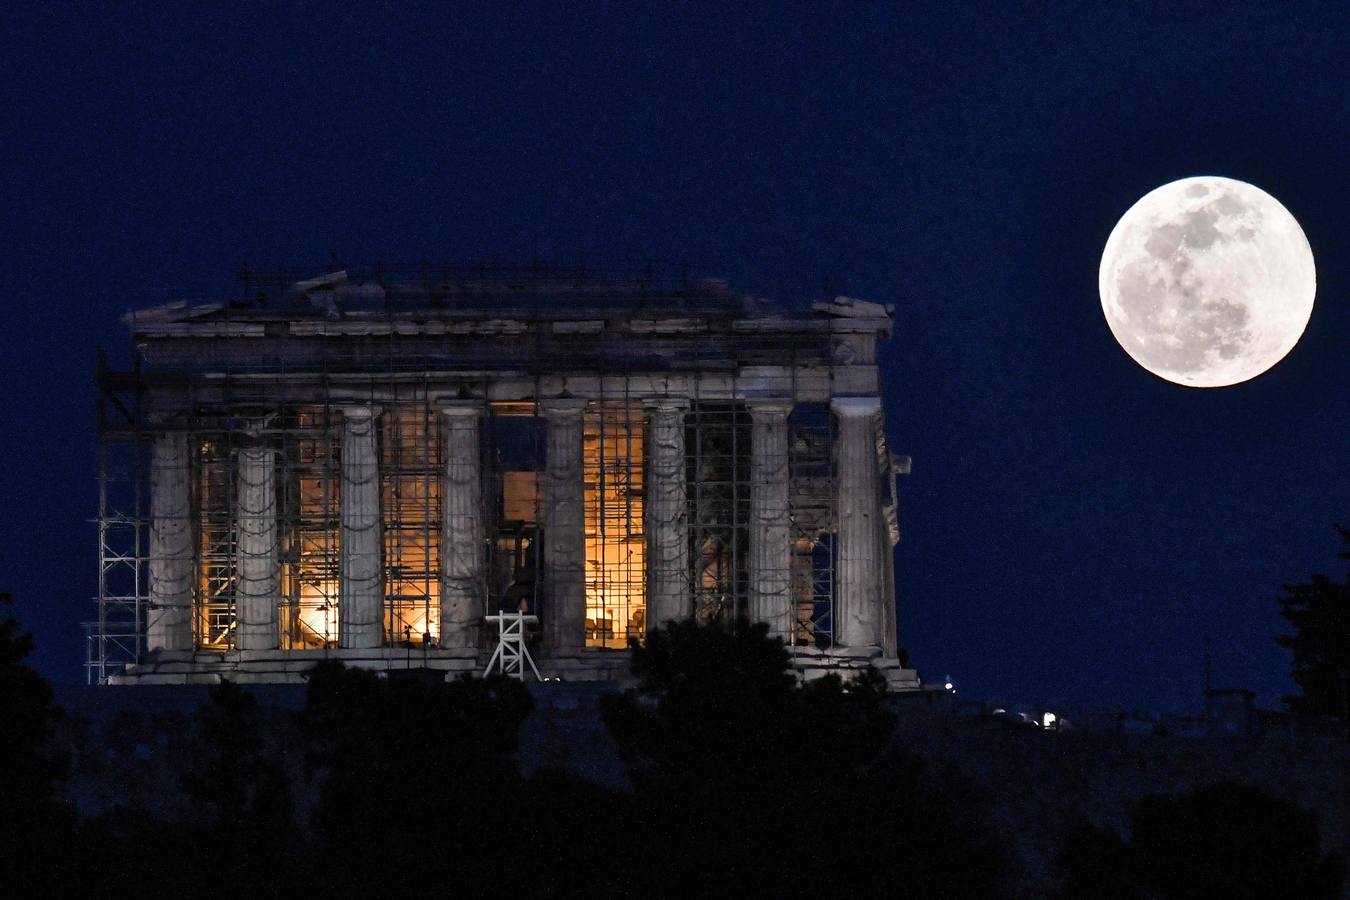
{"points": [[1319, 612], [1227, 840], [35, 828], [743, 780], [240, 841], [418, 780], [746, 780], [244, 792]]}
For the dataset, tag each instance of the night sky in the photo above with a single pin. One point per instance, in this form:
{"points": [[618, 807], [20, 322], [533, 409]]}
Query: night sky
{"points": [[1073, 526]]}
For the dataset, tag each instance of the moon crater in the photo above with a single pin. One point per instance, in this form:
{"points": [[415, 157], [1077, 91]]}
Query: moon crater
{"points": [[1207, 281]]}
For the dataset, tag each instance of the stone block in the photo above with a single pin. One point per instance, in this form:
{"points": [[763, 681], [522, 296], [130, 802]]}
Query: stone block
{"points": [[160, 679], [274, 655]]}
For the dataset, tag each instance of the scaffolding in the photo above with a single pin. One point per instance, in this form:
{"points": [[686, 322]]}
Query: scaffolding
{"points": [[813, 516], [514, 450], [717, 455], [616, 540], [213, 494], [116, 638], [223, 410], [512, 652], [411, 470], [307, 438], [311, 485]]}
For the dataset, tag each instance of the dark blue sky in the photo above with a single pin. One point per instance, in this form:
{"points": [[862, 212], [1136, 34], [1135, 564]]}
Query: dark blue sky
{"points": [[1073, 525]]}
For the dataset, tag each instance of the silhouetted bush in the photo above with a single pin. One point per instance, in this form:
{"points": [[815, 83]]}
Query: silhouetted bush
{"points": [[239, 838], [36, 831], [419, 782], [1228, 840], [746, 780], [574, 839], [246, 836], [1319, 612]]}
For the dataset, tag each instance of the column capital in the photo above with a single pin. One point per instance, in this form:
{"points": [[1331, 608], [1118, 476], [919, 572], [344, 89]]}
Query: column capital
{"points": [[254, 427], [563, 406], [455, 409], [666, 404], [359, 411], [855, 406], [255, 450], [768, 407]]}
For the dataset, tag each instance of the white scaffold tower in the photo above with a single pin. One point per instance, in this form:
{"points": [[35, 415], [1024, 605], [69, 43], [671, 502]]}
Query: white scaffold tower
{"points": [[511, 654]]}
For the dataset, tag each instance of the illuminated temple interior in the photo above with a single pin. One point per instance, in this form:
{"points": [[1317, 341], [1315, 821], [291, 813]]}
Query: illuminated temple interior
{"points": [[364, 466], [616, 570]]}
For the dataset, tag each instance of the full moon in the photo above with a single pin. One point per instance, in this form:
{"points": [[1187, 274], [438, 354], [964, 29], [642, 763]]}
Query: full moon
{"points": [[1207, 281]]}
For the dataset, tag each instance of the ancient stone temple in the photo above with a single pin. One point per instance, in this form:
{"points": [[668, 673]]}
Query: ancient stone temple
{"points": [[363, 467]]}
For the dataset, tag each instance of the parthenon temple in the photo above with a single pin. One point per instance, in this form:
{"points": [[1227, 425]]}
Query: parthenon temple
{"points": [[364, 465]]}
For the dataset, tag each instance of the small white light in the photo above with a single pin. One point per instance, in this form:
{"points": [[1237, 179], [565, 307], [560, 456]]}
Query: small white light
{"points": [[1048, 720]]}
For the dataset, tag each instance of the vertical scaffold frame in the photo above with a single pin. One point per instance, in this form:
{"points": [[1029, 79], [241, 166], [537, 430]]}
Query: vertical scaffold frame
{"points": [[298, 415], [512, 653]]}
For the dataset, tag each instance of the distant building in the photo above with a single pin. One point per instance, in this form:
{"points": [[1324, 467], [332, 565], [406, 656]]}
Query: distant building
{"points": [[362, 468]]}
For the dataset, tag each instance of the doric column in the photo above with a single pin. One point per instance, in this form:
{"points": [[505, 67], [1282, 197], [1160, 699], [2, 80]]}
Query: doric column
{"points": [[668, 589], [770, 552], [360, 619], [169, 620], [257, 591], [462, 579], [564, 527], [857, 614]]}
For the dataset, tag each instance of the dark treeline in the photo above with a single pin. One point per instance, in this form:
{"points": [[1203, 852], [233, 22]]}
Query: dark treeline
{"points": [[1227, 840], [741, 779], [1319, 613]]}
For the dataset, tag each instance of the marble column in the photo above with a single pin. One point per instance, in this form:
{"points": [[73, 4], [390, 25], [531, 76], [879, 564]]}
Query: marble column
{"points": [[770, 551], [668, 576], [169, 619], [361, 591], [858, 615], [462, 549], [258, 584], [564, 527]]}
